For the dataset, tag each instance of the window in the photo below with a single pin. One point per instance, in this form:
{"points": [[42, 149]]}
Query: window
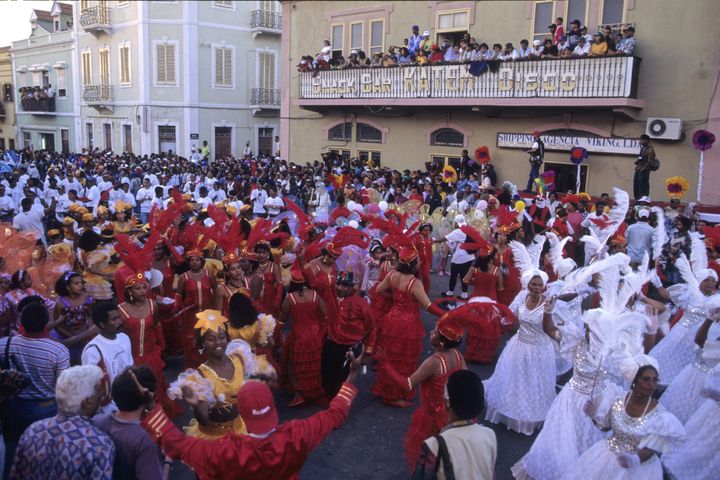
{"points": [[453, 21], [27, 139], [65, 140], [167, 138], [442, 160], [11, 144], [223, 67], [373, 155], [125, 65], [107, 135], [356, 36], [377, 35], [127, 135], [576, 9], [337, 40], [341, 132], [61, 82], [56, 25], [369, 134], [542, 18], [104, 67], [613, 11], [223, 4], [342, 154], [37, 79], [165, 64], [84, 4], [7, 92], [2, 144], [268, 5], [447, 137], [266, 70], [89, 134], [86, 68]]}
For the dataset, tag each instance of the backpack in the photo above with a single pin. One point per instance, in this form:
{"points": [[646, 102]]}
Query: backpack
{"points": [[654, 164]]}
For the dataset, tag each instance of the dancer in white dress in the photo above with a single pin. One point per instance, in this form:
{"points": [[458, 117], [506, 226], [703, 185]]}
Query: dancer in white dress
{"points": [[677, 350], [682, 397], [641, 429], [697, 457], [521, 389]]}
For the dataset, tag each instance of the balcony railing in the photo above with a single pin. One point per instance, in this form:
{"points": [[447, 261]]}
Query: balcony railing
{"points": [[266, 20], [265, 97], [581, 77], [95, 18], [96, 94], [34, 99]]}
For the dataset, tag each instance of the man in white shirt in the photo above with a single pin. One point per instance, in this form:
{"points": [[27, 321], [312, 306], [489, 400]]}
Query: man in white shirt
{"points": [[508, 53], [247, 151], [582, 49], [92, 193], [124, 193], [195, 157], [109, 349], [145, 196], [203, 198], [461, 260], [258, 197], [273, 204], [31, 218], [525, 50], [7, 206]]}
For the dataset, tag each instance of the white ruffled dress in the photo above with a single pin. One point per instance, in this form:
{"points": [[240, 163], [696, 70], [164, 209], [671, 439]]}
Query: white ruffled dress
{"points": [[658, 430], [697, 457], [676, 351], [522, 388], [566, 424]]}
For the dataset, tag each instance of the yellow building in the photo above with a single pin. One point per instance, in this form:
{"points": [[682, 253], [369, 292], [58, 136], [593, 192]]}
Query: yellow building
{"points": [[406, 116], [7, 108]]}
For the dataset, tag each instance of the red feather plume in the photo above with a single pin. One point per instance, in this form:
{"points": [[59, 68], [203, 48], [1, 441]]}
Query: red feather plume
{"points": [[477, 242], [139, 259], [339, 212], [305, 223], [262, 230]]}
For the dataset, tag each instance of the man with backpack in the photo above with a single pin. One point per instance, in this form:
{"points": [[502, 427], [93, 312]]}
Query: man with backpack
{"points": [[537, 155], [646, 162]]}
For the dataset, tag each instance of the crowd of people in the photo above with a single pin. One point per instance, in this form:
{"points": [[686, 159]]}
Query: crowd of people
{"points": [[419, 49], [267, 276]]}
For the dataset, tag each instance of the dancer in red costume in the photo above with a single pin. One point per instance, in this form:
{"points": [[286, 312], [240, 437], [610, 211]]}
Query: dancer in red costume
{"points": [[505, 232], [271, 297], [304, 344], [320, 274], [432, 375], [403, 331], [424, 243]]}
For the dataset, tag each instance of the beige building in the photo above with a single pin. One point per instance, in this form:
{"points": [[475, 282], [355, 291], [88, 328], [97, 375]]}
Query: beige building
{"points": [[7, 111], [407, 116]]}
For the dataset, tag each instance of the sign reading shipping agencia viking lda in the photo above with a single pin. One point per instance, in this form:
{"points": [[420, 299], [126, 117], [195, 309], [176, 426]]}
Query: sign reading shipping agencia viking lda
{"points": [[565, 78], [565, 143]]}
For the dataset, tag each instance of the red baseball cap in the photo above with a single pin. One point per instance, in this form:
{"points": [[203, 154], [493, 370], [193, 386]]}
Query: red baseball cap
{"points": [[256, 406]]}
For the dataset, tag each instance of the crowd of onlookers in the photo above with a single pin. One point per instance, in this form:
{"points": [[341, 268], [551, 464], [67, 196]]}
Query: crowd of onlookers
{"points": [[37, 99], [419, 49]]}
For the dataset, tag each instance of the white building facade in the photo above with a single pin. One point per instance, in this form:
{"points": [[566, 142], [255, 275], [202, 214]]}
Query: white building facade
{"points": [[157, 76]]}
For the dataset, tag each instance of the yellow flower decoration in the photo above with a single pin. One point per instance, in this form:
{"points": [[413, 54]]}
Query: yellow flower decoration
{"points": [[210, 320], [677, 186], [584, 196]]}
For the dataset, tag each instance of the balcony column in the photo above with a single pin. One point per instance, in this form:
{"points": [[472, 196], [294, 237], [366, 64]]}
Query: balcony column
{"points": [[285, 62]]}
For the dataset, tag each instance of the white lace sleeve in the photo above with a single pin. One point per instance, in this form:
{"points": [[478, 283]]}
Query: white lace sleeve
{"points": [[242, 349], [679, 294], [664, 430]]}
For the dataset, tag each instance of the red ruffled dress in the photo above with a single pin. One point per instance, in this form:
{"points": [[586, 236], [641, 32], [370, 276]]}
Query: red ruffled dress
{"points": [[511, 282], [424, 247], [147, 345], [381, 305], [173, 335], [431, 417], [271, 297], [324, 284], [305, 344], [482, 343], [197, 292], [402, 341]]}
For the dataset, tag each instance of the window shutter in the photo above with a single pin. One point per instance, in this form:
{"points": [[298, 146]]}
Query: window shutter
{"points": [[170, 64], [125, 64], [227, 67], [267, 70], [218, 66], [161, 66]]}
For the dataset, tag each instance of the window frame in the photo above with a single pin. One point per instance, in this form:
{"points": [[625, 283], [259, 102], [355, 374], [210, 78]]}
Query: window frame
{"points": [[452, 12], [128, 82], [362, 35], [107, 129], [357, 133], [553, 15], [57, 82], [369, 151], [601, 13], [584, 20], [333, 47], [231, 48], [432, 138], [86, 79], [445, 156], [100, 65], [123, 3], [349, 130], [382, 37], [341, 151], [260, 66], [156, 66], [222, 6]]}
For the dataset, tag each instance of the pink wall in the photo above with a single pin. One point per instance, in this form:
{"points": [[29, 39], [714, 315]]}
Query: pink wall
{"points": [[285, 80], [711, 170]]}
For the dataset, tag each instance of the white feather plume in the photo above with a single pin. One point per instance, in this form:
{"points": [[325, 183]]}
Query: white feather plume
{"points": [[686, 271], [698, 252], [660, 233], [632, 283], [581, 276], [598, 237], [527, 258], [560, 264]]}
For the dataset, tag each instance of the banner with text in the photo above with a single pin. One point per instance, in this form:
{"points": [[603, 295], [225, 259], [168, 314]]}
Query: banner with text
{"points": [[564, 143]]}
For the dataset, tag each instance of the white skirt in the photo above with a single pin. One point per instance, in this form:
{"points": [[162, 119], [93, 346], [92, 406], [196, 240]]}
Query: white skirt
{"points": [[682, 398], [522, 388], [567, 425], [675, 352], [598, 462], [697, 457]]}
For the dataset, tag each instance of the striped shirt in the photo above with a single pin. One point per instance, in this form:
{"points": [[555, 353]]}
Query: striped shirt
{"points": [[41, 360]]}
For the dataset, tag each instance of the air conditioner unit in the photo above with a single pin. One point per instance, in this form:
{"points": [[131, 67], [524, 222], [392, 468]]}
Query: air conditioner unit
{"points": [[664, 128]]}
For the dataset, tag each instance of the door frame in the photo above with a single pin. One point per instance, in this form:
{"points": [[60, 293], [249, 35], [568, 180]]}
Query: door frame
{"points": [[233, 138]]}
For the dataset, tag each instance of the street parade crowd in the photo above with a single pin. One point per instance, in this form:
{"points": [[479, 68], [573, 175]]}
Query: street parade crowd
{"points": [[267, 276]]}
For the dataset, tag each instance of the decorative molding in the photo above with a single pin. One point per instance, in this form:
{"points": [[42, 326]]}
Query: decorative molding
{"points": [[466, 134]]}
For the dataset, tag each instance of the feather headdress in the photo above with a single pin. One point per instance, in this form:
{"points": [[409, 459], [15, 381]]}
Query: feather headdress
{"points": [[527, 259], [477, 242], [581, 276], [506, 221], [137, 258], [339, 212], [261, 233], [226, 233], [561, 265], [199, 237], [660, 233], [304, 221], [599, 234]]}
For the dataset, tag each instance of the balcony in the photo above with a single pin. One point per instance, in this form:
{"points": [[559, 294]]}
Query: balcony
{"points": [[98, 96], [264, 99], [96, 20], [574, 82], [34, 100], [265, 21], [2, 109]]}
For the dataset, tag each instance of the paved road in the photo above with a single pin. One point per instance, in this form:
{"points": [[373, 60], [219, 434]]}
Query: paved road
{"points": [[369, 445]]}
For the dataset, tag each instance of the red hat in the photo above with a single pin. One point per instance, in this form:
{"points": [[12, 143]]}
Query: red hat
{"points": [[296, 272], [256, 406], [408, 254], [449, 327]]}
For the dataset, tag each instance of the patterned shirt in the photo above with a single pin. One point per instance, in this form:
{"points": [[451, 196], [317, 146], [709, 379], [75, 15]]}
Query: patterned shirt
{"points": [[60, 447]]}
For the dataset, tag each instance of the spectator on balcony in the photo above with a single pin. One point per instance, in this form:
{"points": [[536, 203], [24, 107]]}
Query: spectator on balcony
{"points": [[421, 58], [414, 40], [452, 54], [509, 53], [393, 53], [352, 61], [363, 60], [537, 49], [550, 50], [425, 43], [584, 33], [574, 33], [599, 47], [559, 30], [376, 60], [563, 44], [496, 52], [437, 55], [326, 51], [525, 50], [566, 52], [388, 60], [582, 49], [483, 52], [404, 57], [626, 46], [610, 39], [50, 94]]}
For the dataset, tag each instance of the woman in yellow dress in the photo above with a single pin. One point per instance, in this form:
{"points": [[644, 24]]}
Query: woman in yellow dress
{"points": [[213, 388], [98, 273]]}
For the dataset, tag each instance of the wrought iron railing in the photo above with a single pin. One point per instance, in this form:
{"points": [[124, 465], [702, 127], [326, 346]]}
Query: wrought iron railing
{"points": [[265, 96], [95, 17], [35, 99], [579, 77], [97, 93], [266, 19]]}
